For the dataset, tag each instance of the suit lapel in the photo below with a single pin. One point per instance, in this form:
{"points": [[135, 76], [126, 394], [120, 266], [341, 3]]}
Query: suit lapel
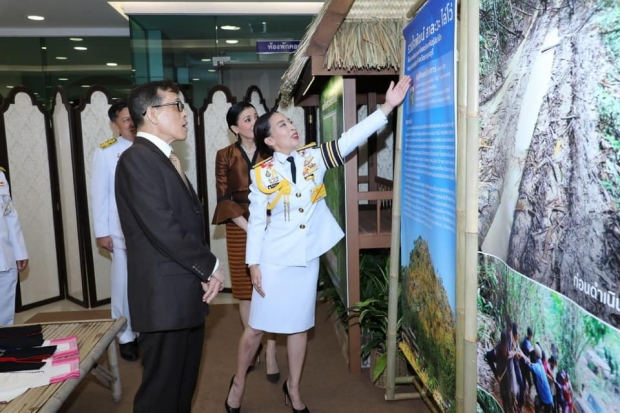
{"points": [[189, 191]]}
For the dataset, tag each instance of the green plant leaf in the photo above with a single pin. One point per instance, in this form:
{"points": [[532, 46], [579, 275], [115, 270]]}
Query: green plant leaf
{"points": [[380, 366]]}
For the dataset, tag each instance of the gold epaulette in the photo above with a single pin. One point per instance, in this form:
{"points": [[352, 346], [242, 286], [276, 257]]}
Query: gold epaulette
{"points": [[310, 145], [2, 169], [107, 143], [262, 162]]}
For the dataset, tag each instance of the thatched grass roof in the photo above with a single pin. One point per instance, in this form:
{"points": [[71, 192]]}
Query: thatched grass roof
{"points": [[369, 38]]}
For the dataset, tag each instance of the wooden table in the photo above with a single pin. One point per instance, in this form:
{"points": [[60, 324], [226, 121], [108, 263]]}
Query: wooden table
{"points": [[94, 338]]}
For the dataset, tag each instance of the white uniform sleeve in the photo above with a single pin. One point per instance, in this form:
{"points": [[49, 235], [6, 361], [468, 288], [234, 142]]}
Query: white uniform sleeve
{"points": [[100, 191], [358, 134], [15, 233], [257, 221]]}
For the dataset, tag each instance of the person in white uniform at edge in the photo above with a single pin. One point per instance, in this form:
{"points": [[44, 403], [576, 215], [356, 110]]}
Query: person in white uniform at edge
{"points": [[107, 225], [283, 255], [13, 254]]}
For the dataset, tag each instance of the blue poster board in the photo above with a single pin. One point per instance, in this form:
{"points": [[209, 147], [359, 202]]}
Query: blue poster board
{"points": [[428, 199]]}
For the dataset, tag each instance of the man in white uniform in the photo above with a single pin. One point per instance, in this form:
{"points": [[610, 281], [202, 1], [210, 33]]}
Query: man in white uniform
{"points": [[13, 254], [105, 216]]}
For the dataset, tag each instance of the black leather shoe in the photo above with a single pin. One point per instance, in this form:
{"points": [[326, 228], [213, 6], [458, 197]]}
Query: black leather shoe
{"points": [[129, 351]]}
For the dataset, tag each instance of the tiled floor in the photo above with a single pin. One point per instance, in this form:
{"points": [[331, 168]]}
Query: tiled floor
{"points": [[65, 305]]}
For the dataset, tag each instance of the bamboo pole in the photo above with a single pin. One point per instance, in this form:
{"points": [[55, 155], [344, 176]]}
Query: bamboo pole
{"points": [[415, 7], [461, 193], [394, 255], [471, 208]]}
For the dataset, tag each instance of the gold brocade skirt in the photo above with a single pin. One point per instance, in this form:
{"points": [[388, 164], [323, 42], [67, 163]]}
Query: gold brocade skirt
{"points": [[239, 274]]}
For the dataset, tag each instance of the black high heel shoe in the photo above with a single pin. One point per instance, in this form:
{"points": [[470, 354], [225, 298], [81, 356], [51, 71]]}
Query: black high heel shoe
{"points": [[288, 397], [228, 408], [273, 378], [256, 358]]}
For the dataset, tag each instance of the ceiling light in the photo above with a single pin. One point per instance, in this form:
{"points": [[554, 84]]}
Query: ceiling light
{"points": [[38, 18], [211, 70], [80, 48], [195, 79], [111, 64], [43, 47], [63, 78], [75, 39], [232, 41], [85, 85], [9, 87], [230, 27], [205, 60], [61, 58]]}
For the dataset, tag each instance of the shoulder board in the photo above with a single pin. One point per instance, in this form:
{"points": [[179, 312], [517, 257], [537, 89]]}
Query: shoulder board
{"points": [[2, 169], [310, 145], [262, 162], [107, 143]]}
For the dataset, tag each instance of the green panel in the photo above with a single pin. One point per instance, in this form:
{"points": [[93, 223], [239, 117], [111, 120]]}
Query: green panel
{"points": [[332, 126]]}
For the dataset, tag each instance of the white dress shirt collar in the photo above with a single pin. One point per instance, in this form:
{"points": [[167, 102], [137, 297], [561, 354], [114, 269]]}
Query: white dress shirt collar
{"points": [[282, 158], [163, 146], [124, 139]]}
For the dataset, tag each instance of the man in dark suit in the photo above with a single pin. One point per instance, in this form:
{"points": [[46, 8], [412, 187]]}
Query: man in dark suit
{"points": [[172, 274]]}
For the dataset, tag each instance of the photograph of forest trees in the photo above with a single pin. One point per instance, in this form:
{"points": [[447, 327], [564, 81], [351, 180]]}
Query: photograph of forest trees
{"points": [[430, 324]]}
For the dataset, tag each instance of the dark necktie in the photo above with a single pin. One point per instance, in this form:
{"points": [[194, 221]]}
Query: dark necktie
{"points": [[293, 168]]}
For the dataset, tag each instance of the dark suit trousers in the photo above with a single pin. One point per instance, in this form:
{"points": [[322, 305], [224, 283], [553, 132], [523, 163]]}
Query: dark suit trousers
{"points": [[171, 360]]}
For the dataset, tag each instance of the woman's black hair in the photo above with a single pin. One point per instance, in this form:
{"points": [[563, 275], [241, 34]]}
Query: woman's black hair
{"points": [[232, 116], [262, 130]]}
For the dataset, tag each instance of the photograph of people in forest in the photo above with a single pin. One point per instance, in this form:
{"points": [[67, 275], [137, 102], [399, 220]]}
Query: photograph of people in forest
{"points": [[538, 351]]}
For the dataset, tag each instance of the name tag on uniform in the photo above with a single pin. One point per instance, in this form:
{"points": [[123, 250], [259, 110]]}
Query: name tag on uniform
{"points": [[318, 193]]}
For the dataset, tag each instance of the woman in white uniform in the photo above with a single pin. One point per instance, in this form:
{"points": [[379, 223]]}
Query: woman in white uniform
{"points": [[283, 254]]}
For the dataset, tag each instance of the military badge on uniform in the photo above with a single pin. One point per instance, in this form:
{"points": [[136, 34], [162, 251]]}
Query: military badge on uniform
{"points": [[309, 165], [266, 169], [266, 172]]}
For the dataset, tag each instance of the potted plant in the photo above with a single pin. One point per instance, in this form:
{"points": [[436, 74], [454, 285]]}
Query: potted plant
{"points": [[372, 315], [336, 310]]}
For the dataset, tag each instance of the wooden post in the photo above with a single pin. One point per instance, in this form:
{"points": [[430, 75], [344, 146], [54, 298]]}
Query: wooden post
{"points": [[352, 227]]}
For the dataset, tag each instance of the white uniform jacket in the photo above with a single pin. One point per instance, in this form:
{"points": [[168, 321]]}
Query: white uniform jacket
{"points": [[11, 236], [301, 226], [105, 213]]}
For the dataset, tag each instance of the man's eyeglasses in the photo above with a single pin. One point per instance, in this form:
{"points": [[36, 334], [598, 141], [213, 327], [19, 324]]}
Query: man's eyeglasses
{"points": [[180, 106]]}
